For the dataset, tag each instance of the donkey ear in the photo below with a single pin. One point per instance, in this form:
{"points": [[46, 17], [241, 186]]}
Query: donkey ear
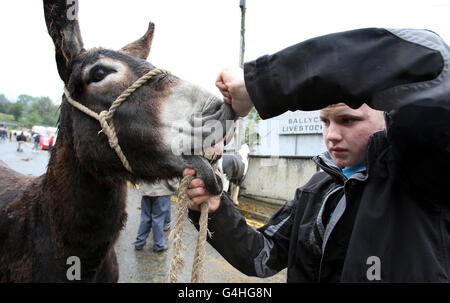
{"points": [[140, 48], [62, 25]]}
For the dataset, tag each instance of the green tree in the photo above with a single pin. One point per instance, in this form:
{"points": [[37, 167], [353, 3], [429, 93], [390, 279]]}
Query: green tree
{"points": [[253, 115], [31, 119], [4, 104], [46, 110], [26, 101], [7, 118], [251, 135], [29, 110], [16, 109]]}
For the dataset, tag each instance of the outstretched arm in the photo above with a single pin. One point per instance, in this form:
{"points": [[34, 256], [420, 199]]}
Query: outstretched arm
{"points": [[383, 68], [402, 71]]}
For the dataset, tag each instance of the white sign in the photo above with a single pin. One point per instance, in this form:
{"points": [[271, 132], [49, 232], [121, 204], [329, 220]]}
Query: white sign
{"points": [[301, 122]]}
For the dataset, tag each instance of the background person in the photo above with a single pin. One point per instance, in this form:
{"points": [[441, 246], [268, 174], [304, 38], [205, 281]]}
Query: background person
{"points": [[155, 213], [37, 139], [21, 139]]}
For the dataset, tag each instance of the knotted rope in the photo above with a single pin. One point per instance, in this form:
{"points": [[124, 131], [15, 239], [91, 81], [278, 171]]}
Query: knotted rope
{"points": [[177, 262], [105, 117]]}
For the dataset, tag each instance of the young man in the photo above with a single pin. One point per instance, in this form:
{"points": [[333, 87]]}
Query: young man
{"points": [[379, 210]]}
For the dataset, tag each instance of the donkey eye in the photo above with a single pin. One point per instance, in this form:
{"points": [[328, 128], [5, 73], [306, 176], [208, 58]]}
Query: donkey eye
{"points": [[98, 73]]}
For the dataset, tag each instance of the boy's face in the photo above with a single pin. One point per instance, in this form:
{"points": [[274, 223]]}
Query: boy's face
{"points": [[346, 131]]}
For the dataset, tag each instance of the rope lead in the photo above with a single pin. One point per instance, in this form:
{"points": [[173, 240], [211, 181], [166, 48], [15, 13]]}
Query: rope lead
{"points": [[177, 262]]}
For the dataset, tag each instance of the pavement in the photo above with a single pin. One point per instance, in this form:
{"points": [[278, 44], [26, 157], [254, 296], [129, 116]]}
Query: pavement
{"points": [[146, 266], [28, 162]]}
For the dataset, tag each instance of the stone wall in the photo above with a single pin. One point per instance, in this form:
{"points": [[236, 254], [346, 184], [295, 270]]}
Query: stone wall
{"points": [[275, 179]]}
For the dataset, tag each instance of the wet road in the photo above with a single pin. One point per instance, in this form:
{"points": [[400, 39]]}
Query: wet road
{"points": [[144, 265], [28, 162]]}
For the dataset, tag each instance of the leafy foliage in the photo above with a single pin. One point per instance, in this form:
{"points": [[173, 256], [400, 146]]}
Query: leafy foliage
{"points": [[28, 110], [251, 136], [6, 118]]}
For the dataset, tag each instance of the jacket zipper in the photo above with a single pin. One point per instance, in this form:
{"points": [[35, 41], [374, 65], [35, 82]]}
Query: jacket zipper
{"points": [[332, 171], [323, 236]]}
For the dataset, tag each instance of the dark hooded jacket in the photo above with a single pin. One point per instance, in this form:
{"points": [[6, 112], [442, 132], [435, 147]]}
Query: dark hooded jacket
{"points": [[389, 223]]}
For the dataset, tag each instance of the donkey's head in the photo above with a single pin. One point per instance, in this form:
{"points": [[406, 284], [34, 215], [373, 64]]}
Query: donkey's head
{"points": [[158, 126]]}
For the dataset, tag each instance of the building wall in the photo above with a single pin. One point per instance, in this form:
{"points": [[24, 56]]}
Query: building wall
{"points": [[277, 140], [276, 178], [281, 162], [307, 145]]}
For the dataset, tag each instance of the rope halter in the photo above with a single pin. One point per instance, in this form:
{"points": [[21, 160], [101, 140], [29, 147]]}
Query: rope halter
{"points": [[105, 117]]}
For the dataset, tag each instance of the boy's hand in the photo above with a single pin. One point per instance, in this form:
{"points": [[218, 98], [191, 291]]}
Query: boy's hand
{"points": [[198, 194]]}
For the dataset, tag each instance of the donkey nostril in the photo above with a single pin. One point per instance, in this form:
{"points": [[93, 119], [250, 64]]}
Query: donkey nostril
{"points": [[212, 106]]}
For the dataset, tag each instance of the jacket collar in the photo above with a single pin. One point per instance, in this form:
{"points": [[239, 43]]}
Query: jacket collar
{"points": [[326, 162], [375, 150]]}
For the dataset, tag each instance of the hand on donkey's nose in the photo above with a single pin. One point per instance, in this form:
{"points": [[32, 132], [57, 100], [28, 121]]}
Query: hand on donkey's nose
{"points": [[198, 194], [231, 84]]}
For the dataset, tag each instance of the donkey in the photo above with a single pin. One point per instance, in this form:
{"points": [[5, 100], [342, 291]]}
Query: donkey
{"points": [[77, 208]]}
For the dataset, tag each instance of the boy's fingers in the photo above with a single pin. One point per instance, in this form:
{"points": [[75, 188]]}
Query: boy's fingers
{"points": [[196, 183], [196, 192], [189, 171], [199, 200]]}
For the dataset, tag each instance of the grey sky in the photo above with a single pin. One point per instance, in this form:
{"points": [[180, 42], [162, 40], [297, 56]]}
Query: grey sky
{"points": [[193, 39]]}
